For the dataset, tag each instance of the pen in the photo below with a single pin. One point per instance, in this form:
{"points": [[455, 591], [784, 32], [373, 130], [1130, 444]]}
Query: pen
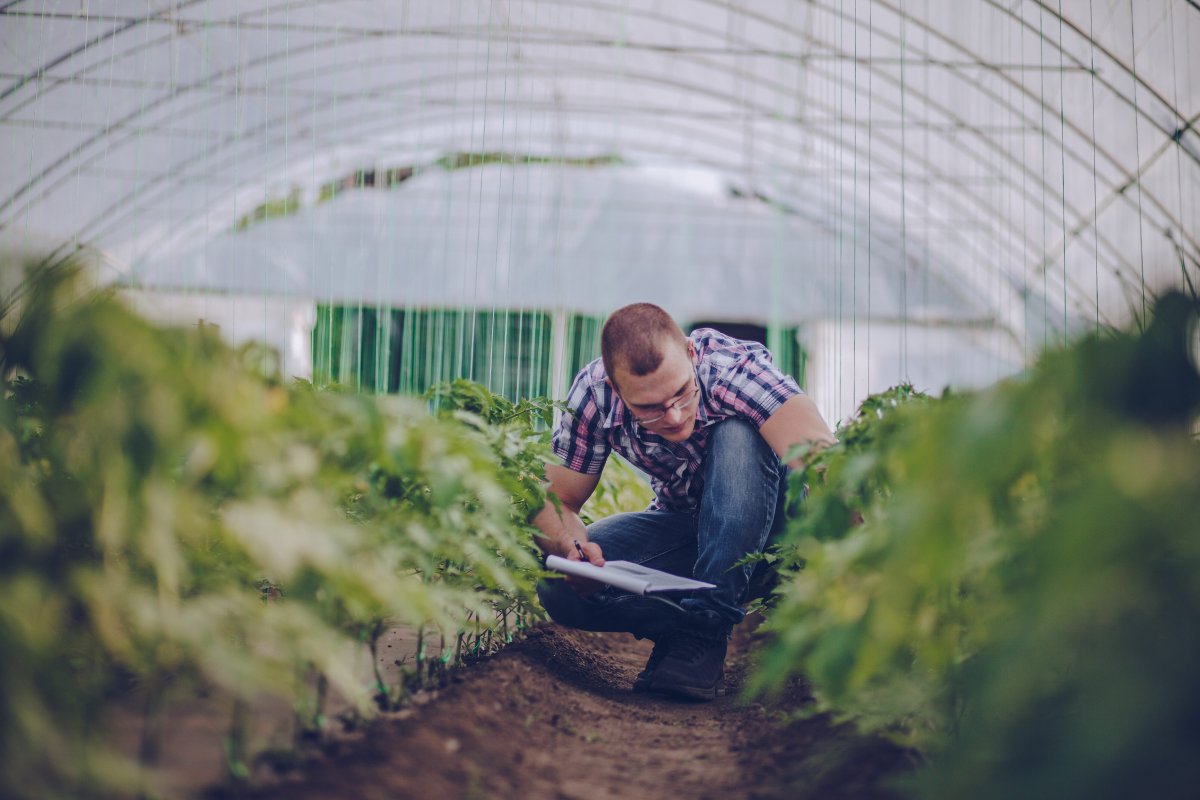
{"points": [[579, 549]]}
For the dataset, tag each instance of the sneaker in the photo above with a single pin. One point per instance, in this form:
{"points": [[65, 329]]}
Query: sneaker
{"points": [[661, 647], [693, 666]]}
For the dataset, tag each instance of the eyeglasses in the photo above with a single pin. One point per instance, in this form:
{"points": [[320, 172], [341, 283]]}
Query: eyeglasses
{"points": [[682, 404]]}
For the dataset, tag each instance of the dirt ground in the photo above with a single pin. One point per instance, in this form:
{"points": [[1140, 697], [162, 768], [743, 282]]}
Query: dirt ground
{"points": [[552, 716]]}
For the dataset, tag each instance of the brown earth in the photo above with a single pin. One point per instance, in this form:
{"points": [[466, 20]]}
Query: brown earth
{"points": [[552, 716]]}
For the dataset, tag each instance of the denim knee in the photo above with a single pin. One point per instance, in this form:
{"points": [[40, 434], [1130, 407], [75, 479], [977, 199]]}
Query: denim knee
{"points": [[740, 465], [737, 443]]}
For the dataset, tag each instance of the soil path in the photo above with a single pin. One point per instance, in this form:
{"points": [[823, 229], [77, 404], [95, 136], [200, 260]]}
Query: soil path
{"points": [[553, 717]]}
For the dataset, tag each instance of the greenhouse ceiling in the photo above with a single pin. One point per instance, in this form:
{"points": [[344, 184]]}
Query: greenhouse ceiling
{"points": [[1034, 166]]}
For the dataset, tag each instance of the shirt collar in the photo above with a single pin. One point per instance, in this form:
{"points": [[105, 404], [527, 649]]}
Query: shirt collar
{"points": [[618, 414], [701, 403]]}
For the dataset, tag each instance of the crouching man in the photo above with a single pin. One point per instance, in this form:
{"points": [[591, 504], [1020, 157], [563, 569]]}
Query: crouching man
{"points": [[708, 418]]}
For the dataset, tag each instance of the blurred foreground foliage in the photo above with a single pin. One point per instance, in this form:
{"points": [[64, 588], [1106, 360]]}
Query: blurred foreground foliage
{"points": [[1021, 600], [172, 514]]}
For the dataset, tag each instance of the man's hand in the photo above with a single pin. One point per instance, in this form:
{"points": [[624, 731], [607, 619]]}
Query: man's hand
{"points": [[594, 555]]}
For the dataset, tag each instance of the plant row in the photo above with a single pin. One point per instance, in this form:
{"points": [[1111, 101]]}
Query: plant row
{"points": [[1009, 581], [172, 514]]}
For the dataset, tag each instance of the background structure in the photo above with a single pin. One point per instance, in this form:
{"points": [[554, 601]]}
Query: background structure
{"points": [[391, 193]]}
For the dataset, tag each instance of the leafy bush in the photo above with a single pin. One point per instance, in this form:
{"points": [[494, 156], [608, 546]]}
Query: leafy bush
{"points": [[621, 487], [157, 486], [1021, 597]]}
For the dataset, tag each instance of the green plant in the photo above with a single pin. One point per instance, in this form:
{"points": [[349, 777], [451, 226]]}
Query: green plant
{"points": [[1019, 599], [157, 486], [621, 488]]}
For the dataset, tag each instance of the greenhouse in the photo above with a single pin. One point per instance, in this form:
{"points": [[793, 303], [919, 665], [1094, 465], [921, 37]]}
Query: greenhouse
{"points": [[293, 296]]}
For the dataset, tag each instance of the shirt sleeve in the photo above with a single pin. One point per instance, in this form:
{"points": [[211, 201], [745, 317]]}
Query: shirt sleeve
{"points": [[579, 439], [748, 384]]}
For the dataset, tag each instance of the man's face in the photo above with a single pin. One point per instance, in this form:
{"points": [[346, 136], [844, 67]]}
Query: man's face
{"points": [[669, 391]]}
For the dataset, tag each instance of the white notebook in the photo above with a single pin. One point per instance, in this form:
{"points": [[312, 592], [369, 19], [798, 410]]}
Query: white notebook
{"points": [[628, 576]]}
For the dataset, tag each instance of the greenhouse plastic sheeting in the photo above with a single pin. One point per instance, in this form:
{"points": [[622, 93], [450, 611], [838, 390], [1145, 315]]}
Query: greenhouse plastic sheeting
{"points": [[541, 237], [932, 160]]}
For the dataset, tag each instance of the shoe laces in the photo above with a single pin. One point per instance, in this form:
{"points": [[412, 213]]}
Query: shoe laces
{"points": [[661, 648], [692, 647]]}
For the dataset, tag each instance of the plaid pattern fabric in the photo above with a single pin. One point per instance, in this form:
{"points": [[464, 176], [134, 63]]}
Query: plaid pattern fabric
{"points": [[737, 379]]}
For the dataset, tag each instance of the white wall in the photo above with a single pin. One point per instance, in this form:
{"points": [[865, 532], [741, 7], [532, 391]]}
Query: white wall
{"points": [[284, 325], [848, 361]]}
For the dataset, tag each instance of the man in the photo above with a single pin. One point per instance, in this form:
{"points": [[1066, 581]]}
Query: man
{"points": [[708, 418]]}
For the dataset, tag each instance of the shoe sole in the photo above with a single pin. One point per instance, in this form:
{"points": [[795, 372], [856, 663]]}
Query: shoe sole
{"points": [[705, 693]]}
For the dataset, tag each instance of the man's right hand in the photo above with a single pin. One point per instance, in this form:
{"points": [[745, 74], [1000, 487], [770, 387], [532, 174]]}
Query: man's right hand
{"points": [[595, 555]]}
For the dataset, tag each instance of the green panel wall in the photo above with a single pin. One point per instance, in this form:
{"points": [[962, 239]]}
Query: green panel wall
{"points": [[409, 350], [583, 345], [510, 352]]}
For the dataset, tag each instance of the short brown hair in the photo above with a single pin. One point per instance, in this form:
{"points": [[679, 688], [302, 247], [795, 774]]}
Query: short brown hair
{"points": [[633, 336]]}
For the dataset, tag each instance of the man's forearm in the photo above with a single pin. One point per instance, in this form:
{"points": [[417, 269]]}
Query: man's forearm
{"points": [[559, 525]]}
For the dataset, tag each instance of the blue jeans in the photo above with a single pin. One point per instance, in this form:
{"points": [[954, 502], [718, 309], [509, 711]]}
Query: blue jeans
{"points": [[741, 511]]}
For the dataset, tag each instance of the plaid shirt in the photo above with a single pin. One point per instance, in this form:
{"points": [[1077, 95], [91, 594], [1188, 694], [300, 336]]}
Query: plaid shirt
{"points": [[736, 378]]}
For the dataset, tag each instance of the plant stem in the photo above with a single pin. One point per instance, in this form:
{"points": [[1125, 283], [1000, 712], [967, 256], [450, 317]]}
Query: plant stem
{"points": [[237, 770], [382, 698]]}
